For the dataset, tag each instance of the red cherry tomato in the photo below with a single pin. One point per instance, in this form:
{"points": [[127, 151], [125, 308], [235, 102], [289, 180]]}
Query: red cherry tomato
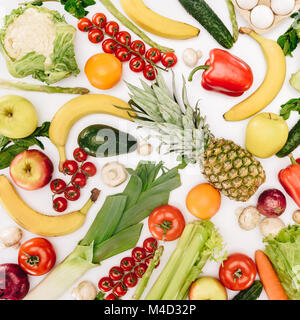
{"points": [[99, 19], [60, 204], [79, 155], [237, 272], [116, 273], [109, 46], [112, 28], [37, 256], [130, 280], [84, 24], [140, 270], [148, 260], [127, 263], [169, 59], [105, 284], [123, 54], [138, 254], [124, 37], [120, 290], [138, 46], [72, 193], [89, 169], [70, 167], [150, 245], [57, 186], [111, 296], [95, 35], [137, 64], [79, 180], [149, 72], [153, 55]]}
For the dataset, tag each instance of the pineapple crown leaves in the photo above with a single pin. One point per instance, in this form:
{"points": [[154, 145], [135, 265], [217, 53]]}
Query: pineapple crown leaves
{"points": [[180, 129]]}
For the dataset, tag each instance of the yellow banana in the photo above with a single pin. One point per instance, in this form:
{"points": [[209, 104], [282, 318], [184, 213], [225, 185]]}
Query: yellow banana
{"points": [[77, 108], [38, 223], [272, 84], [157, 24]]}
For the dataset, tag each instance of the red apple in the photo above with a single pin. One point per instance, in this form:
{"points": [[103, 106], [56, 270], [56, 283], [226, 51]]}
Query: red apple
{"points": [[271, 203], [31, 170]]}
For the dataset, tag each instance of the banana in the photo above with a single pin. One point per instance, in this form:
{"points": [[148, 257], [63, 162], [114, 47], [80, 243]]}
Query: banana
{"points": [[272, 84], [77, 108], [38, 223], [157, 24]]}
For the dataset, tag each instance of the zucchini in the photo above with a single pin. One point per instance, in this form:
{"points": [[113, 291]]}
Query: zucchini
{"points": [[252, 293], [103, 141], [292, 143], [203, 13]]}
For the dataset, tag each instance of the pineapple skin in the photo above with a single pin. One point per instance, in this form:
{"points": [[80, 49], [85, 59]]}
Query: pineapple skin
{"points": [[232, 170]]}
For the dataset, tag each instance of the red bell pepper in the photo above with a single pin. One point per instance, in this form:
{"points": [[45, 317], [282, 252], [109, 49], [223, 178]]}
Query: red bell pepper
{"points": [[290, 180], [225, 73]]}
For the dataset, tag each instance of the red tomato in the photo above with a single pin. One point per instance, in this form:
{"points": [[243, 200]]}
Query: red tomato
{"points": [[237, 272], [149, 72], [298, 160], [37, 256], [127, 263], [130, 280], [89, 169], [72, 193], [112, 28], [138, 46], [138, 254], [169, 59], [123, 54], [166, 223], [84, 24], [95, 35], [57, 186], [124, 37], [148, 260], [111, 296], [99, 19], [60, 204], [70, 167], [79, 180], [153, 55], [150, 245], [105, 284], [120, 290], [140, 270], [79, 155], [137, 64], [109, 46], [116, 273]]}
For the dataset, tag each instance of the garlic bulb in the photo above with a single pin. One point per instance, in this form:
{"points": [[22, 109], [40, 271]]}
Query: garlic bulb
{"points": [[10, 237], [85, 290]]}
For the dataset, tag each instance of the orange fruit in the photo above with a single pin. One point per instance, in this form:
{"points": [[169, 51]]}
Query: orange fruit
{"points": [[203, 201], [103, 70]]}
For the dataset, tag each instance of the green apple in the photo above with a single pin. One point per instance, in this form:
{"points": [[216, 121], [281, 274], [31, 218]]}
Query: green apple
{"points": [[207, 288], [18, 117], [266, 134]]}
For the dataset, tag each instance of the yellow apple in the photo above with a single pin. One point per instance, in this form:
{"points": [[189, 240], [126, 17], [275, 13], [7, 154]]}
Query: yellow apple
{"points": [[18, 117], [266, 134], [207, 288]]}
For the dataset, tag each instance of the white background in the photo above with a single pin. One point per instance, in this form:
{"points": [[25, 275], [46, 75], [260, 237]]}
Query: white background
{"points": [[213, 105]]}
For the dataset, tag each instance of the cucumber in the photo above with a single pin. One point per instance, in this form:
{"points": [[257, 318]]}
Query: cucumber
{"points": [[103, 141], [203, 13], [252, 293], [292, 143]]}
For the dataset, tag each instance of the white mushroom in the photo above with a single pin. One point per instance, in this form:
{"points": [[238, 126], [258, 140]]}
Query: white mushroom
{"points": [[144, 149], [113, 174], [247, 4], [190, 57], [86, 290], [282, 7], [10, 237], [296, 216], [249, 218], [271, 226], [262, 17]]}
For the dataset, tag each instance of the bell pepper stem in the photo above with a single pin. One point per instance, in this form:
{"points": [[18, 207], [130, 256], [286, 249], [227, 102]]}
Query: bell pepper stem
{"points": [[205, 67], [293, 159]]}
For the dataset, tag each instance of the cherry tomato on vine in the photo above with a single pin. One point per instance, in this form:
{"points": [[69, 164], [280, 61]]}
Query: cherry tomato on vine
{"points": [[127, 263], [37, 256], [140, 270], [99, 19], [109, 46], [138, 253], [169, 59], [120, 290], [79, 155], [137, 64], [95, 35], [124, 37], [72, 193], [70, 167], [111, 296], [138, 46], [150, 245], [79, 180], [84, 24], [105, 284], [130, 280], [89, 169], [112, 28], [116, 273], [237, 272], [57, 186], [153, 55], [149, 72], [60, 204], [123, 54]]}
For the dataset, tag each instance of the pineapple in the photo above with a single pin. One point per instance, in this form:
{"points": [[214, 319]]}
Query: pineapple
{"points": [[227, 166]]}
